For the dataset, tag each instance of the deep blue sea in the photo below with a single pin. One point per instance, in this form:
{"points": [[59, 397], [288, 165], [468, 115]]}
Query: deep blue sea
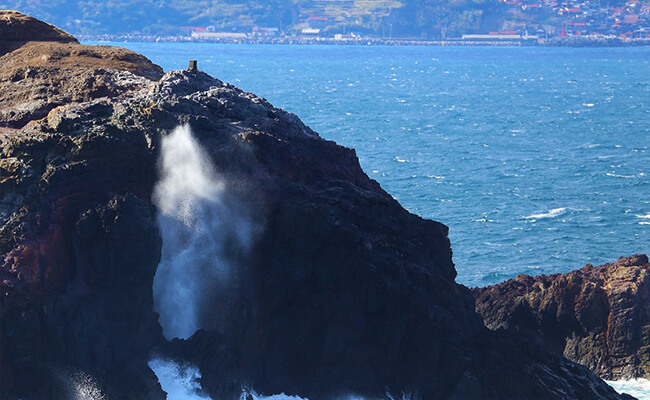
{"points": [[538, 159]]}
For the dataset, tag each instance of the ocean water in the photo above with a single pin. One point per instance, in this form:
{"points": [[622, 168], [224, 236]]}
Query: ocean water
{"points": [[537, 159]]}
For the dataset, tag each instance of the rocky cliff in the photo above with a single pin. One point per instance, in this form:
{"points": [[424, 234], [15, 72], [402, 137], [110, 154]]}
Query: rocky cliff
{"points": [[340, 291], [42, 67], [596, 316]]}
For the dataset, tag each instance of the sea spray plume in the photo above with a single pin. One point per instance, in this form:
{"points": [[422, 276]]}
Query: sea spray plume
{"points": [[199, 228], [80, 385], [180, 382]]}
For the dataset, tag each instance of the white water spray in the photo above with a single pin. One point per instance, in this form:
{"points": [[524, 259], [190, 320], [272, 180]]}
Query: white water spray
{"points": [[82, 386], [181, 382], [639, 388], [199, 228]]}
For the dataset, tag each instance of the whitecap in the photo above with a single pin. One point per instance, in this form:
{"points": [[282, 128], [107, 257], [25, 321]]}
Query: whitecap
{"points": [[549, 214], [645, 216], [619, 176]]}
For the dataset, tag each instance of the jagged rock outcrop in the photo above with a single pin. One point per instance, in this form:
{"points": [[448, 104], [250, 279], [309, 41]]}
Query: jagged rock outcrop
{"points": [[596, 316], [341, 292]]}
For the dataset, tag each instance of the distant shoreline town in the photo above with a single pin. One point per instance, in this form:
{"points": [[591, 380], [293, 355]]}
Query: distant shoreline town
{"points": [[569, 23], [487, 40]]}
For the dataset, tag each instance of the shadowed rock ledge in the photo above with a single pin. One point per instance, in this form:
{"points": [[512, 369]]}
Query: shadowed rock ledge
{"points": [[596, 316], [342, 292]]}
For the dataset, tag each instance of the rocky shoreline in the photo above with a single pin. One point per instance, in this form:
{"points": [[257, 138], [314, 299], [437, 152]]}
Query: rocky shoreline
{"points": [[340, 291], [596, 316]]}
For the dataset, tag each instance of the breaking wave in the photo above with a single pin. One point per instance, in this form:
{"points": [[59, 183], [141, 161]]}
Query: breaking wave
{"points": [[556, 212], [639, 388], [182, 382]]}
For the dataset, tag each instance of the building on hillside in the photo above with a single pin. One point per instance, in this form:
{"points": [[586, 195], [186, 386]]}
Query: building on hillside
{"points": [[310, 31], [189, 30], [219, 35], [266, 32]]}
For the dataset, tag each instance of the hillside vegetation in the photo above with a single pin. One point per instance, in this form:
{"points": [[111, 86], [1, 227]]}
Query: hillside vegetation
{"points": [[415, 18]]}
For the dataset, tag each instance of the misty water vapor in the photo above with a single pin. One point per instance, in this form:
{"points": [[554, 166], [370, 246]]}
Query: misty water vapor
{"points": [[199, 228]]}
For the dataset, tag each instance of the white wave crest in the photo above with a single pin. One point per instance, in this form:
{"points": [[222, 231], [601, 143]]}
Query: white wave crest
{"points": [[556, 212], [639, 388], [619, 175]]}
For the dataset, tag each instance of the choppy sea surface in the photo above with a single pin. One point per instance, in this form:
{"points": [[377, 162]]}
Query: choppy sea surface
{"points": [[538, 159]]}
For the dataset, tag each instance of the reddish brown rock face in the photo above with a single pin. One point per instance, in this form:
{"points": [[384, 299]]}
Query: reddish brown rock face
{"points": [[596, 316], [16, 29]]}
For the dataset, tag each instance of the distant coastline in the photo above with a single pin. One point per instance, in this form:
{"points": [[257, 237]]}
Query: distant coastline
{"points": [[570, 41]]}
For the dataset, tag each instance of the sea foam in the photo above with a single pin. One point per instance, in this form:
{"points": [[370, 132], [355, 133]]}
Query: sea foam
{"points": [[556, 212], [639, 388], [182, 382]]}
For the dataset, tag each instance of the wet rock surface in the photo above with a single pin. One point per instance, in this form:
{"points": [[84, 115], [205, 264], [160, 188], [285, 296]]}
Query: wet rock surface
{"points": [[596, 316], [342, 291]]}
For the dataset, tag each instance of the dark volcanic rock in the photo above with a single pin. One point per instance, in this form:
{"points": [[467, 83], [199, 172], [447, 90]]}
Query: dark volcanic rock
{"points": [[343, 291], [52, 341], [596, 316]]}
